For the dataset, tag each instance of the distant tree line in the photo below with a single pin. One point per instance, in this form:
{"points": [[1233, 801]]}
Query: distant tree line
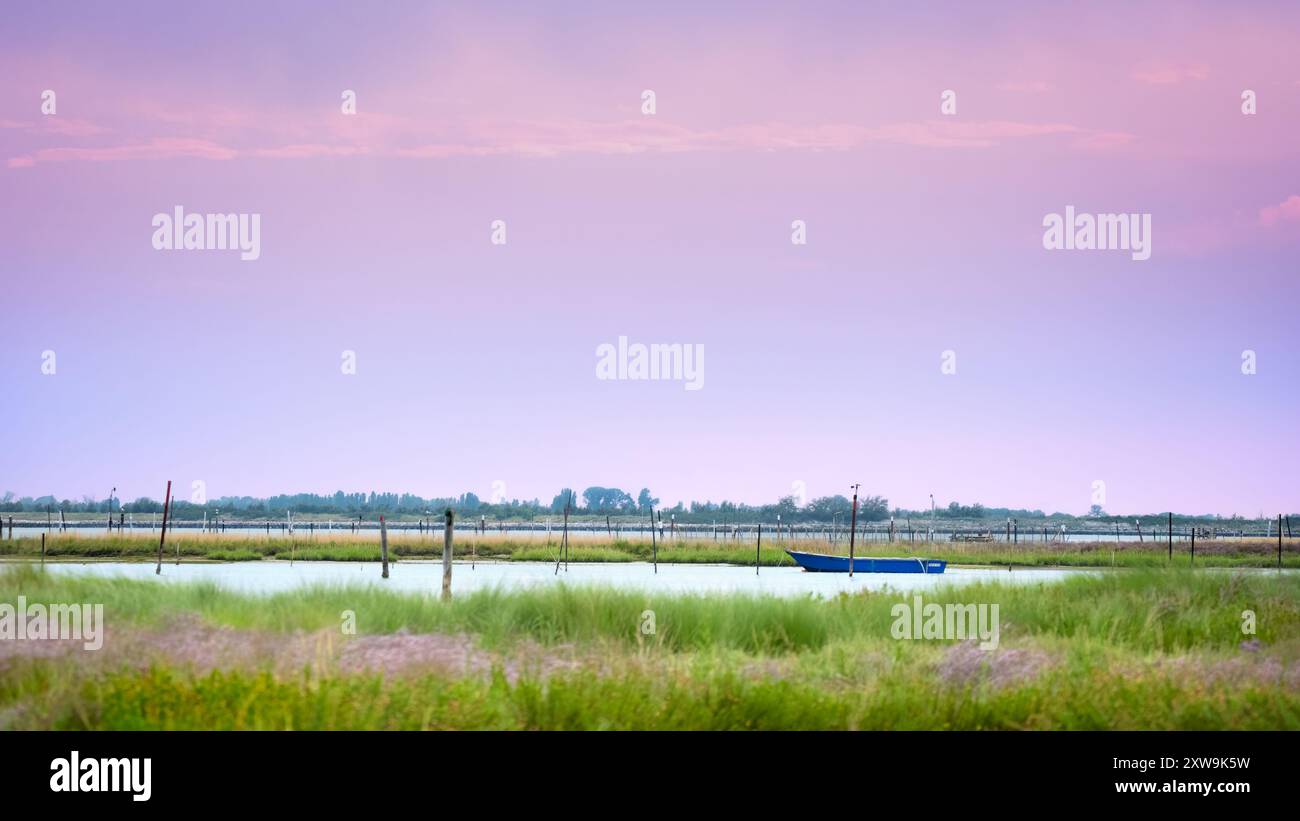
{"points": [[593, 501]]}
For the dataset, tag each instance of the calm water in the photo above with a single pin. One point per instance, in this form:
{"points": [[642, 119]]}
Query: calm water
{"points": [[275, 576]]}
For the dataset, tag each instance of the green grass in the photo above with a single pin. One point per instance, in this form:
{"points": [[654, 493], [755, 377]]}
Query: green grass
{"points": [[1167, 611], [169, 699], [1140, 649]]}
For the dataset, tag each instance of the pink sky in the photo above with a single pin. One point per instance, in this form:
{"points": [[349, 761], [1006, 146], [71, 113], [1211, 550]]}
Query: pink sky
{"points": [[477, 362]]}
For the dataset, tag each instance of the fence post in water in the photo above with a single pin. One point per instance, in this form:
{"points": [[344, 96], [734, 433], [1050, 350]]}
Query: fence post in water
{"points": [[758, 551], [654, 546], [853, 529], [383, 544], [446, 556], [162, 536]]}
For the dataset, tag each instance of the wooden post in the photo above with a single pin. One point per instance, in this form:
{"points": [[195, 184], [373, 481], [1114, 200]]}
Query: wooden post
{"points": [[1171, 536], [49, 519], [1279, 542], [42, 550], [383, 544], [853, 529], [758, 551], [63, 522], [1193, 544], [446, 556], [563, 556], [162, 536], [608, 529], [654, 546]]}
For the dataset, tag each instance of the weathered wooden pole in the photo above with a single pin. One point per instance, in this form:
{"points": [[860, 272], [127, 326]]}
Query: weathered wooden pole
{"points": [[42, 550], [1279, 542], [1171, 536], [383, 544], [853, 529], [49, 520], [654, 546], [162, 536], [1193, 561], [758, 551], [446, 555], [63, 522]]}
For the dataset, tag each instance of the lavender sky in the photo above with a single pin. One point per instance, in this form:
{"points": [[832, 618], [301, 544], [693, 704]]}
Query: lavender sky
{"points": [[476, 362]]}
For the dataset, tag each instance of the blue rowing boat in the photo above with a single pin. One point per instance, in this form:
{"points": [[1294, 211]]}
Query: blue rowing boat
{"points": [[821, 563]]}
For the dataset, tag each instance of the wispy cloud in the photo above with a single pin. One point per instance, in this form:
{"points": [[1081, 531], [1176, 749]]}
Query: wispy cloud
{"points": [[1288, 210], [156, 149], [1162, 74], [394, 137]]}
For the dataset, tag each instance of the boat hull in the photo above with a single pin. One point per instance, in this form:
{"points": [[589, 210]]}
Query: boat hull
{"points": [[821, 563]]}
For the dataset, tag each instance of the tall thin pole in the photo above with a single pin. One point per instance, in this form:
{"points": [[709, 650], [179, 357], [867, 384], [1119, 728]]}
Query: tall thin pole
{"points": [[654, 546], [853, 528], [162, 537], [932, 517], [758, 551], [383, 544], [1279, 541], [1171, 536], [446, 556]]}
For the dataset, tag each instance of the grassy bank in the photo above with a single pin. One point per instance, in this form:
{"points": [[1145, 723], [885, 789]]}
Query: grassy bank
{"points": [[348, 547], [1122, 650], [1142, 610]]}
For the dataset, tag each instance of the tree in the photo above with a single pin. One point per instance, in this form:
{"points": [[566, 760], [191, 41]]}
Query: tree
{"points": [[561, 499], [644, 501]]}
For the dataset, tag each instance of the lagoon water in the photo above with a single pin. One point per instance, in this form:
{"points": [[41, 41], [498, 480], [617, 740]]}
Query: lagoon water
{"points": [[426, 576]]}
